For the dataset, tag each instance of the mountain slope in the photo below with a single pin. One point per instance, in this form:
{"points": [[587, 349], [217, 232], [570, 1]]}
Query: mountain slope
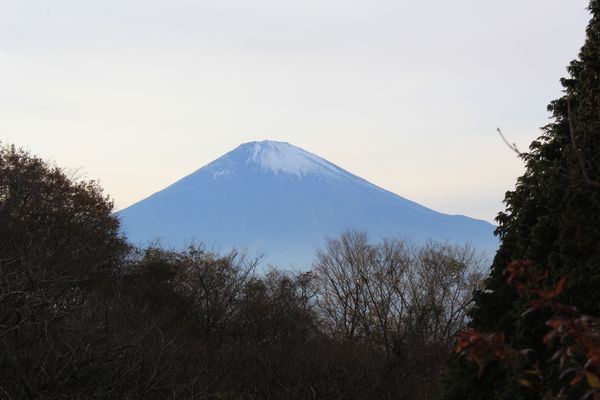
{"points": [[275, 198]]}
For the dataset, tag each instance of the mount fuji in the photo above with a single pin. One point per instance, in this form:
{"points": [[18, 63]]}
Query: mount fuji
{"points": [[279, 200]]}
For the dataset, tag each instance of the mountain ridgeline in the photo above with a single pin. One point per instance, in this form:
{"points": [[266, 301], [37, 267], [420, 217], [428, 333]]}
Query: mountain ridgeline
{"points": [[279, 200]]}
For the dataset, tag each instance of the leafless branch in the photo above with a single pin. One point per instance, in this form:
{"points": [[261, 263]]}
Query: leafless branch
{"points": [[512, 146]]}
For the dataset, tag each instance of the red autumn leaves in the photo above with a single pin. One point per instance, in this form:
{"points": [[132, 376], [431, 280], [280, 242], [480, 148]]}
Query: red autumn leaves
{"points": [[574, 338]]}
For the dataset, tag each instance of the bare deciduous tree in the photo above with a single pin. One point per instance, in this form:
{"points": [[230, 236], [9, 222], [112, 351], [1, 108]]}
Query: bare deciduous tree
{"points": [[405, 300]]}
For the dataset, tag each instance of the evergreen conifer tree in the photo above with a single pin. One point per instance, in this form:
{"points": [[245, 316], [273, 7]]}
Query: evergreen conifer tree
{"points": [[552, 218]]}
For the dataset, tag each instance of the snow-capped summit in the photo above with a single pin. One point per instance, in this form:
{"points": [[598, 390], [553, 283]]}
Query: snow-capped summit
{"points": [[282, 157], [275, 157], [278, 199]]}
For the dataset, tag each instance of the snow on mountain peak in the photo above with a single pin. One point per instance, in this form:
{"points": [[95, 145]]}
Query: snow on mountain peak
{"points": [[282, 157], [278, 158]]}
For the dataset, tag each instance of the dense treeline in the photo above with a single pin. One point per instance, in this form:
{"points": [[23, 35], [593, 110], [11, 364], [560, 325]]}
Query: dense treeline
{"points": [[552, 223], [85, 315]]}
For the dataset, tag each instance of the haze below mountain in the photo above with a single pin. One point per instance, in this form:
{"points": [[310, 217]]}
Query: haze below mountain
{"points": [[279, 200]]}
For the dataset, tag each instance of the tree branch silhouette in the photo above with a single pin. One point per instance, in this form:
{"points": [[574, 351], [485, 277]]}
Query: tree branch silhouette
{"points": [[512, 146]]}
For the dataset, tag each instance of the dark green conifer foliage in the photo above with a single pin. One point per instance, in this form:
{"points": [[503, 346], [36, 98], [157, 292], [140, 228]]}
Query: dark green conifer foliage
{"points": [[552, 218]]}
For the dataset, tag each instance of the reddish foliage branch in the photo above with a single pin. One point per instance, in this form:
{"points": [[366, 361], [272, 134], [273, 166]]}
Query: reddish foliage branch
{"points": [[576, 336]]}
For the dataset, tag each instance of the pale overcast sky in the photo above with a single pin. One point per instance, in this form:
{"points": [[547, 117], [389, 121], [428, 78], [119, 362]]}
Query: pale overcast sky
{"points": [[406, 94]]}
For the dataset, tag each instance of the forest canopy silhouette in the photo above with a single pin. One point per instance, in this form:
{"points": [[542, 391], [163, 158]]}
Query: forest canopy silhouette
{"points": [[84, 314]]}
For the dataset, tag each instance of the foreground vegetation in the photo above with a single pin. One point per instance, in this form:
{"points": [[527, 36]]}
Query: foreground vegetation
{"points": [[84, 315], [542, 297]]}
